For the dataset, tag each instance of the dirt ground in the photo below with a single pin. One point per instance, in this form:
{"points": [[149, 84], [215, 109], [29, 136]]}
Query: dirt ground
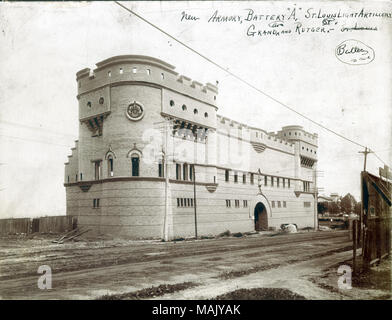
{"points": [[194, 269]]}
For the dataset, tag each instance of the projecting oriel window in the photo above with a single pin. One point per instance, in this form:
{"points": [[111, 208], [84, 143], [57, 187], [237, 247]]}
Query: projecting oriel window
{"points": [[135, 165]]}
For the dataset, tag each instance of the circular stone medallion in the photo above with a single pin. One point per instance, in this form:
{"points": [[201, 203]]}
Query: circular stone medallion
{"points": [[135, 111]]}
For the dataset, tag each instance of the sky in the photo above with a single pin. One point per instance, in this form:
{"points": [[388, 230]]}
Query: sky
{"points": [[43, 45]]}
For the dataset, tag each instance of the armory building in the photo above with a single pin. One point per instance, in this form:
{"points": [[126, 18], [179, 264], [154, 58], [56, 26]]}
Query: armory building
{"points": [[151, 147]]}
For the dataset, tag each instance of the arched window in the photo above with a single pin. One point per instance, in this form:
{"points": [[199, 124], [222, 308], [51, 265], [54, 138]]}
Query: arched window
{"points": [[135, 164], [110, 166]]}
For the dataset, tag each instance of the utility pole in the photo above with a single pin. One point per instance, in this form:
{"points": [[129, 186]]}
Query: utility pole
{"points": [[360, 230], [366, 152], [194, 198]]}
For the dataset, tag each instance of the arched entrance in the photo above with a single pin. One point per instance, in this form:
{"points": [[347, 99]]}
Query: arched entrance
{"points": [[261, 217]]}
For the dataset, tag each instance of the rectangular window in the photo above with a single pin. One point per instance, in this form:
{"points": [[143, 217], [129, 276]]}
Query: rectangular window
{"points": [[160, 169], [191, 202], [284, 182], [288, 183], [265, 180], [272, 181], [185, 171], [228, 203], [182, 202], [97, 169], [121, 71], [97, 203], [178, 202], [279, 204], [76, 177], [191, 169], [284, 204], [135, 165], [94, 203], [148, 71], [244, 178], [273, 204], [307, 204], [235, 177], [252, 178], [134, 70], [188, 201], [245, 203], [178, 171], [237, 203], [277, 182], [227, 175], [68, 179]]}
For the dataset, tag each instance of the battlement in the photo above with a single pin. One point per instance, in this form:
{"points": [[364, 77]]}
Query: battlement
{"points": [[294, 132], [254, 135], [142, 69]]}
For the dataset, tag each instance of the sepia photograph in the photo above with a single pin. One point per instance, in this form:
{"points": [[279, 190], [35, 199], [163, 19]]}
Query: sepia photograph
{"points": [[213, 152]]}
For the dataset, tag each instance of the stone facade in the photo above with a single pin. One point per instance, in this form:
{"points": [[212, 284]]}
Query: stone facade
{"points": [[151, 139]]}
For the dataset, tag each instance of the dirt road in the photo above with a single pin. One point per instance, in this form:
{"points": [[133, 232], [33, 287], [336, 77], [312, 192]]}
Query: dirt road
{"points": [[87, 270]]}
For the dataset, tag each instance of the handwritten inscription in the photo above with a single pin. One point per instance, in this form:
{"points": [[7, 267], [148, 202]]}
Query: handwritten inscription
{"points": [[294, 20], [354, 52]]}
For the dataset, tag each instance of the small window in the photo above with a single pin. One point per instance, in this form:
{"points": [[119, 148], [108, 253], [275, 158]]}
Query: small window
{"points": [[178, 171], [245, 203], [214, 97], [265, 180], [109, 73], [244, 178], [160, 169], [284, 182], [81, 176], [279, 204], [172, 103], [191, 169], [228, 203], [284, 204], [148, 72], [185, 171], [235, 177], [110, 166], [195, 111], [101, 100], [288, 183], [134, 70], [121, 70], [272, 181], [162, 76], [307, 204], [135, 165], [252, 178], [191, 202], [89, 104], [184, 107], [94, 203], [277, 182], [178, 202], [97, 203], [68, 179], [182, 202], [227, 175], [205, 115], [76, 177]]}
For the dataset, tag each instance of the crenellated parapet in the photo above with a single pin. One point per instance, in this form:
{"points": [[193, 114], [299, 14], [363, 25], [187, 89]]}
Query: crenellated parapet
{"points": [[135, 69]]}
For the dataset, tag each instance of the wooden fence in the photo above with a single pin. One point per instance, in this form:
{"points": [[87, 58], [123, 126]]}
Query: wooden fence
{"points": [[377, 215], [54, 224]]}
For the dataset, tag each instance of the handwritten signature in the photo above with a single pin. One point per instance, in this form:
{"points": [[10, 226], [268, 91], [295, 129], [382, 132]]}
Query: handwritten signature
{"points": [[354, 52]]}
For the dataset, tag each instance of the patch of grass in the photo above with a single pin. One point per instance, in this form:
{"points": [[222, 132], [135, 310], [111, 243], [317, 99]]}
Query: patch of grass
{"points": [[261, 294], [150, 292]]}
